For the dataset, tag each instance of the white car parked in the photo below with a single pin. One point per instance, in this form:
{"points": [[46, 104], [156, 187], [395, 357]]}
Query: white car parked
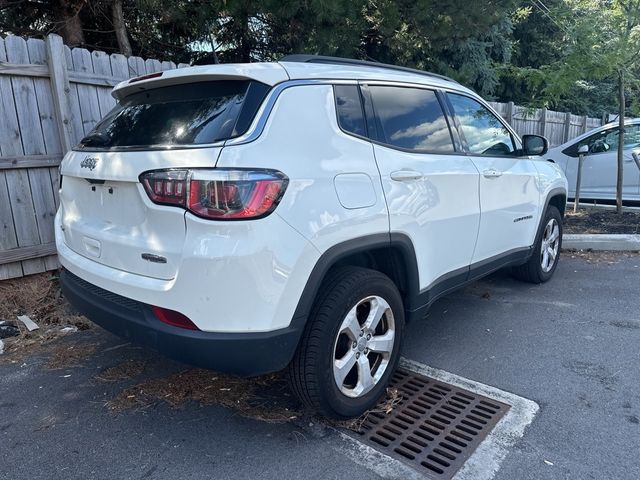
{"points": [[600, 165], [251, 218]]}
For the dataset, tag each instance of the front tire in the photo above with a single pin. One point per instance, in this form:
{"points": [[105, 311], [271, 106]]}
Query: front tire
{"points": [[544, 260], [351, 343]]}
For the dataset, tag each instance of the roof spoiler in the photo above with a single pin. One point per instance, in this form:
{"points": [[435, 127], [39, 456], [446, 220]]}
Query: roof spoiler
{"points": [[267, 73]]}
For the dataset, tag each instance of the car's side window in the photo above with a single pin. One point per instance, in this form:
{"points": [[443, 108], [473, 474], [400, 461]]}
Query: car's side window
{"points": [[600, 142], [484, 133], [411, 119], [607, 140], [349, 108], [632, 136]]}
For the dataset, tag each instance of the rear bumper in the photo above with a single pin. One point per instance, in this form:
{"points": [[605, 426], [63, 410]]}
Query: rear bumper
{"points": [[246, 354], [234, 277]]}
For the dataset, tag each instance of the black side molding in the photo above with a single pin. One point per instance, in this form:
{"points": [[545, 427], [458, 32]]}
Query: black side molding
{"points": [[332, 256], [555, 193], [457, 279], [416, 301]]}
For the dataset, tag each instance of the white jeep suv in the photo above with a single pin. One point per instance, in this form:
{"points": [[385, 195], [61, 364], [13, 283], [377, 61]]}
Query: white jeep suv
{"points": [[252, 217]]}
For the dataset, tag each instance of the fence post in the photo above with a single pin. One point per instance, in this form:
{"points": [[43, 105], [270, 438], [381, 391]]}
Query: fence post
{"points": [[584, 124], [567, 127], [60, 89], [543, 122], [510, 108]]}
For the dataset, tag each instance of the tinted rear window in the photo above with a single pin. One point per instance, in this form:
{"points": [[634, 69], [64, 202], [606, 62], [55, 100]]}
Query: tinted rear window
{"points": [[349, 108], [178, 115]]}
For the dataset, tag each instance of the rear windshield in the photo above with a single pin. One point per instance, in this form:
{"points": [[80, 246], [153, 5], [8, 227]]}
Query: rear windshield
{"points": [[178, 115]]}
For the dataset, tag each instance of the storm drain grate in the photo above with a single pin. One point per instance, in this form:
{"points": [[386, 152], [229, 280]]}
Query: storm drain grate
{"points": [[436, 426]]}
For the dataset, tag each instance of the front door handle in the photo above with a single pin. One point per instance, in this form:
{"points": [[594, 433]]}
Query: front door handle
{"points": [[492, 173], [405, 175]]}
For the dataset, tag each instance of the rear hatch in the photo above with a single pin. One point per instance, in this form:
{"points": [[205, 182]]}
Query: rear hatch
{"points": [[106, 213]]}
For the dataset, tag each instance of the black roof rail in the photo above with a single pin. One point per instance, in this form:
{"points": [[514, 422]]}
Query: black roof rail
{"points": [[361, 63]]}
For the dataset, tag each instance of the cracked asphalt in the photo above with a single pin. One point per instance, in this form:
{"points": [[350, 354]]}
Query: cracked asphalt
{"points": [[571, 345]]}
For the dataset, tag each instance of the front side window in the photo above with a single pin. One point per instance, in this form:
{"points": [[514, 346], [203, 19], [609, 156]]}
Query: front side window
{"points": [[601, 142], [411, 118], [607, 140], [484, 132]]}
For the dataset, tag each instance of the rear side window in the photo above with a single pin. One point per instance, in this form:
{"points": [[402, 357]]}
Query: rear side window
{"points": [[411, 118], [484, 133], [179, 115], [349, 109]]}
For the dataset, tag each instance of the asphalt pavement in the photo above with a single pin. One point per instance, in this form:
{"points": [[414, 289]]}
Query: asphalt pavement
{"points": [[571, 345]]}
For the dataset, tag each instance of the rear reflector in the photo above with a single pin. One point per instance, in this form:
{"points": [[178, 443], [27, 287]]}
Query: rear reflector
{"points": [[171, 317], [146, 77]]}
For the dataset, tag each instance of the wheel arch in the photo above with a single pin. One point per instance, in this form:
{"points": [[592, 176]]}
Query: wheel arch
{"points": [[391, 254], [558, 198]]}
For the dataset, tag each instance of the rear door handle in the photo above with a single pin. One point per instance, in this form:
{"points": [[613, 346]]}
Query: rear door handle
{"points": [[405, 175], [492, 173]]}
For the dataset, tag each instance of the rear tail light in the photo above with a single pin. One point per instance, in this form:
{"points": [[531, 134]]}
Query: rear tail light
{"points": [[221, 194], [173, 318], [166, 187]]}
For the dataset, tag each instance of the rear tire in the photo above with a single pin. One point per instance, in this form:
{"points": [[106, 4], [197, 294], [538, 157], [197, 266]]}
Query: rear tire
{"points": [[546, 253], [351, 343]]}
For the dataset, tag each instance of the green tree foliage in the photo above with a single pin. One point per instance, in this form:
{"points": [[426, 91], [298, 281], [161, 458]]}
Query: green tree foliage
{"points": [[466, 40], [458, 38], [544, 36], [563, 52], [533, 52]]}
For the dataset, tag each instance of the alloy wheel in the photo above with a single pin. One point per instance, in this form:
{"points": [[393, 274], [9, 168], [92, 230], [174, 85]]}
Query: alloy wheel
{"points": [[363, 346], [550, 245]]}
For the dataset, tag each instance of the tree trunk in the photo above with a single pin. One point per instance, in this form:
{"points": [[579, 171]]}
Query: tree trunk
{"points": [[621, 112], [245, 38], [120, 28], [214, 54], [69, 25]]}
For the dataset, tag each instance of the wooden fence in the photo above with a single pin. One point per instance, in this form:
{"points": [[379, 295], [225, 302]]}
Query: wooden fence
{"points": [[558, 127], [51, 96]]}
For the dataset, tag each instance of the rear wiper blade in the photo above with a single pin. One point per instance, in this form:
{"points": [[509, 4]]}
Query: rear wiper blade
{"points": [[95, 139]]}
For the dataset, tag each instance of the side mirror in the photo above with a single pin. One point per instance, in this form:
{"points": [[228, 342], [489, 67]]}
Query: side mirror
{"points": [[534, 145], [583, 149]]}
